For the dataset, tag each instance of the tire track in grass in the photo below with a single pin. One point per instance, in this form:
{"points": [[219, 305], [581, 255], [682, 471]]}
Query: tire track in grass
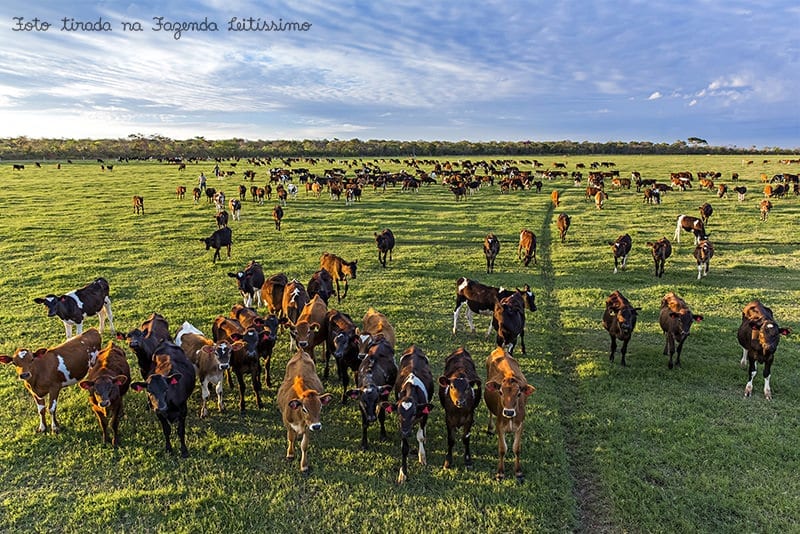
{"points": [[592, 507]]}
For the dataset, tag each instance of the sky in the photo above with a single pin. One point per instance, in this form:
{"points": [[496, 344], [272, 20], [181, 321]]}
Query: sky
{"points": [[725, 71]]}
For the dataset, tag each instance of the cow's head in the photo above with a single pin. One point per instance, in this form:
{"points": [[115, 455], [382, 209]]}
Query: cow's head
{"points": [[461, 391], [512, 392], [157, 387], [349, 268], [529, 297], [768, 335], [52, 303], [370, 398], [23, 361], [246, 343], [222, 353], [309, 404], [303, 332], [105, 390]]}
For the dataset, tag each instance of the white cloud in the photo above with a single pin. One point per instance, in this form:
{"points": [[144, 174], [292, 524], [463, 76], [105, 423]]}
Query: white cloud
{"points": [[654, 96]]}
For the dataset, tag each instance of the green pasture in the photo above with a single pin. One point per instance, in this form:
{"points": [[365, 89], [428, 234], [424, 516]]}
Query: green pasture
{"points": [[605, 448]]}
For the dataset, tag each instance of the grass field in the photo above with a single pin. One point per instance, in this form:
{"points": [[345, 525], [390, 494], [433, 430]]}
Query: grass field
{"points": [[606, 448]]}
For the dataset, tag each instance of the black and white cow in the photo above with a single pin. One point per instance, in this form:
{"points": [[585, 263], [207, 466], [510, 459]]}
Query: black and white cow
{"points": [[75, 306], [250, 280]]}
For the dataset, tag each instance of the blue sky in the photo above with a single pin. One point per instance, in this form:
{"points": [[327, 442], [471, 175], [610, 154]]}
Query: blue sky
{"points": [[585, 70]]}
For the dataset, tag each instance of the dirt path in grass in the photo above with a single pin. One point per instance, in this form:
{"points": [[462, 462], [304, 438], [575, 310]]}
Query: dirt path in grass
{"points": [[591, 506]]}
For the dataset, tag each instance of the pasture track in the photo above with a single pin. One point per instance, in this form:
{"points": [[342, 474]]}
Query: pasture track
{"points": [[605, 448]]}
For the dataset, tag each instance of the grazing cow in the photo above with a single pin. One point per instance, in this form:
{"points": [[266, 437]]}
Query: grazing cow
{"points": [[563, 223], [180, 191], [339, 269], [375, 379], [235, 206], [491, 248], [765, 208], [619, 319], [740, 192], [300, 400], [144, 341], [75, 306], [600, 199], [138, 205], [277, 216], [481, 299], [222, 219], [374, 326], [107, 382], [506, 394], [168, 388], [311, 327], [385, 242], [47, 371], [413, 391], [703, 253], [509, 321], [621, 248], [250, 281], [554, 197], [321, 283], [662, 250], [690, 224], [527, 247], [272, 293], [675, 319], [245, 358], [705, 212], [759, 335], [295, 297], [220, 238], [460, 394], [343, 344], [210, 360]]}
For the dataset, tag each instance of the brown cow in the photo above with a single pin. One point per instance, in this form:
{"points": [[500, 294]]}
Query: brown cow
{"points": [[527, 247], [107, 382], [600, 199], [459, 394], [690, 224], [758, 336], [180, 191], [675, 319], [339, 269], [374, 326], [554, 197], [210, 360], [563, 223], [138, 205], [662, 250], [619, 320], [765, 208], [311, 327], [621, 248], [505, 395], [47, 371], [705, 212], [703, 253], [300, 400], [491, 248], [272, 293], [277, 216]]}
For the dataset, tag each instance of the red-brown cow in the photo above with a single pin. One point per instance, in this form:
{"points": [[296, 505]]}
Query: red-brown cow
{"points": [[339, 269], [619, 319], [374, 326], [460, 394], [47, 371], [662, 250], [703, 253], [690, 224], [506, 394], [527, 247], [272, 293], [311, 327], [759, 335], [563, 223], [675, 319], [107, 382], [491, 248]]}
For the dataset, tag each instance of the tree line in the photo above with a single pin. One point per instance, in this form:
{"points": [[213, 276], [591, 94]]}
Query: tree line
{"points": [[137, 146]]}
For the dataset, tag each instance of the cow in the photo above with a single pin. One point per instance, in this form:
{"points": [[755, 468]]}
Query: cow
{"points": [[168, 388], [180, 191], [662, 250], [374, 326], [491, 248], [321, 283], [235, 205], [196, 194], [554, 198], [703, 253], [385, 243], [562, 223], [47, 371], [220, 238], [220, 201], [705, 212], [295, 297], [138, 205], [619, 320], [509, 321], [675, 319], [144, 341], [459, 394], [413, 392], [222, 218], [621, 248], [267, 328], [481, 299], [300, 399], [343, 343], [690, 224], [375, 379], [722, 191], [272, 293], [339, 269], [18, 167], [277, 216], [210, 361], [740, 192], [759, 335], [765, 207], [75, 306], [107, 382], [527, 247], [506, 394], [250, 281], [600, 199], [245, 358], [311, 327]]}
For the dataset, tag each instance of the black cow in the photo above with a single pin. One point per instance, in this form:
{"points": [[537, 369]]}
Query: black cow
{"points": [[75, 306], [759, 335], [491, 248], [375, 379], [675, 319], [144, 341], [168, 388], [619, 319], [222, 219], [413, 391], [220, 238], [705, 212], [250, 280], [621, 248], [342, 343], [509, 321], [460, 395], [662, 250], [385, 242]]}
